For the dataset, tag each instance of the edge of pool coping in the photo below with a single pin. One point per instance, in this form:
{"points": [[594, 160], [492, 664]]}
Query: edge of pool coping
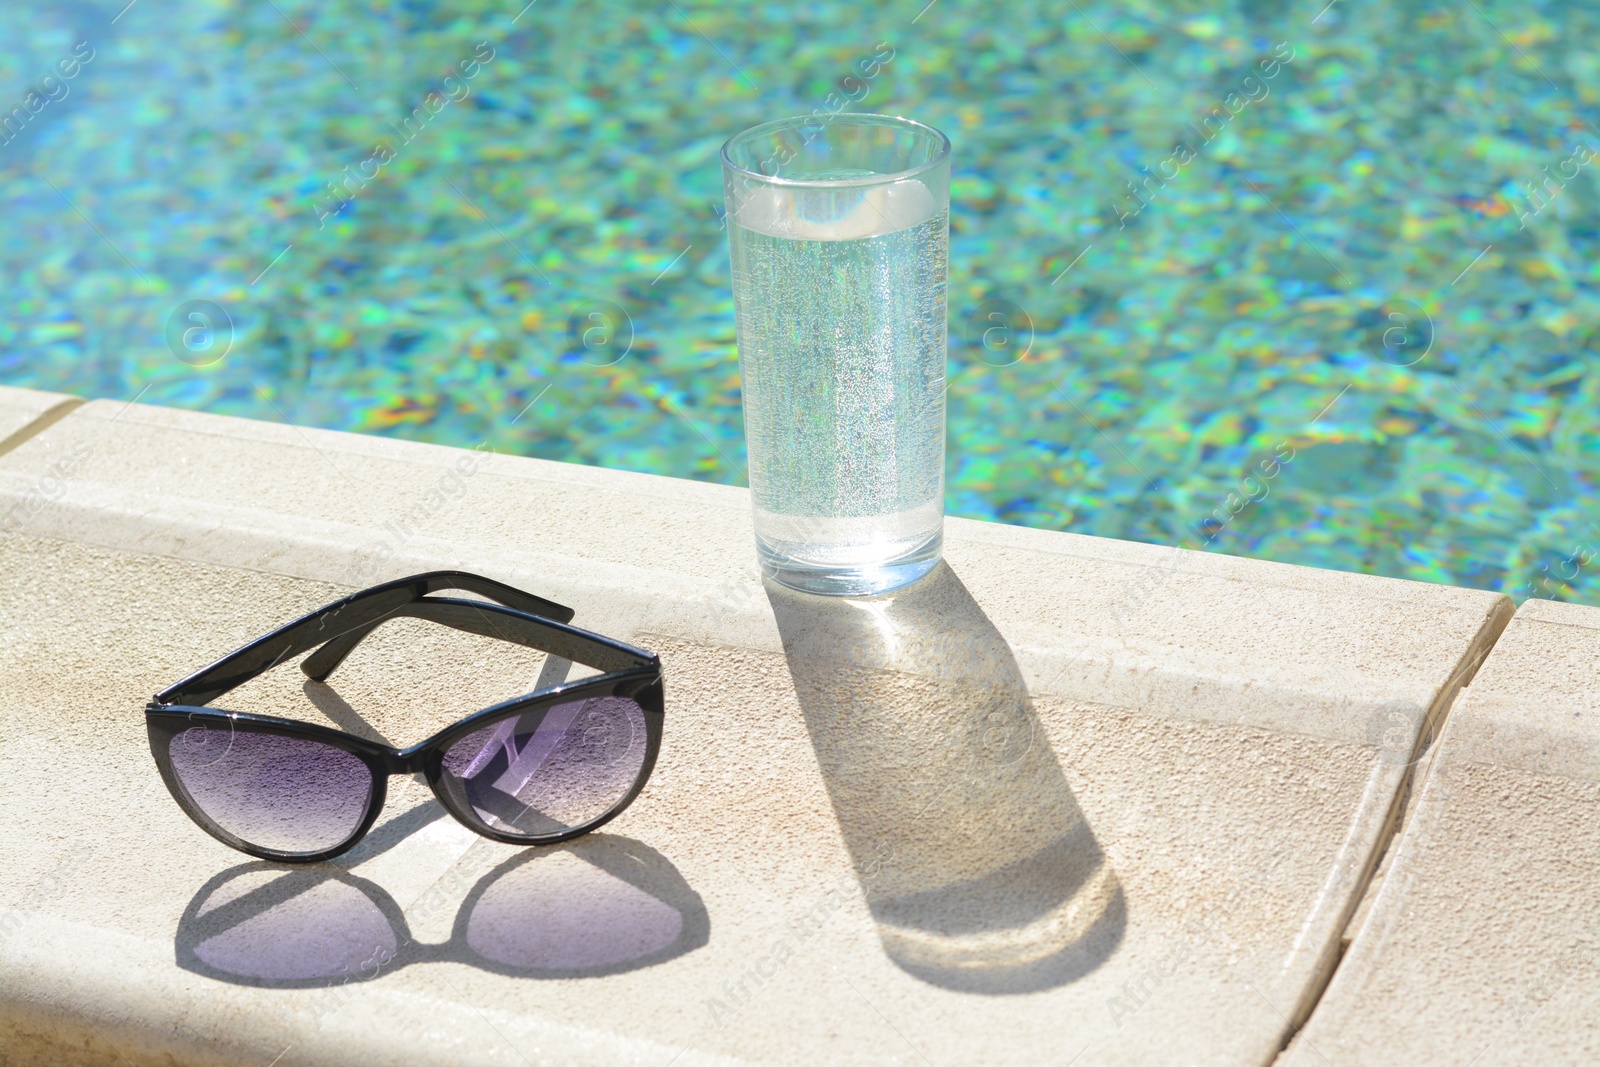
{"points": [[1499, 609], [304, 545]]}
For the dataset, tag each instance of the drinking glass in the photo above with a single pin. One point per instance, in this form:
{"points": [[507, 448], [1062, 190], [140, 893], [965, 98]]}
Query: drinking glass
{"points": [[838, 233]]}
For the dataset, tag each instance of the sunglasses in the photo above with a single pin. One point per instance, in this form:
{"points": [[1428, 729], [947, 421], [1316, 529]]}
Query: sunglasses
{"points": [[532, 770]]}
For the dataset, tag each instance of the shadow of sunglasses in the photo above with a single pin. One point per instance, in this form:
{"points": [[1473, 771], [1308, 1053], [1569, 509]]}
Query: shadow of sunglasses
{"points": [[596, 906]]}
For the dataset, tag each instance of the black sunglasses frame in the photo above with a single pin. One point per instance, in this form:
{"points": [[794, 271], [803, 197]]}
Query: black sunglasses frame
{"points": [[518, 617]]}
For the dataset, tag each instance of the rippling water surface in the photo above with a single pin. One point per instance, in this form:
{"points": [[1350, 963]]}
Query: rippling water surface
{"points": [[1310, 283]]}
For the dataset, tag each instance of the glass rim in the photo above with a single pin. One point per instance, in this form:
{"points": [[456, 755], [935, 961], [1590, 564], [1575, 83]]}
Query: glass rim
{"points": [[858, 118]]}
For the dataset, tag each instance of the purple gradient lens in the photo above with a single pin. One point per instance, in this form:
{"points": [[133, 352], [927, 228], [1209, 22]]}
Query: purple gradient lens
{"points": [[550, 770], [283, 793]]}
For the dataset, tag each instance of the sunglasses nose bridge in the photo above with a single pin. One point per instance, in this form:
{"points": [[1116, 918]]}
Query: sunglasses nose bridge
{"points": [[406, 761]]}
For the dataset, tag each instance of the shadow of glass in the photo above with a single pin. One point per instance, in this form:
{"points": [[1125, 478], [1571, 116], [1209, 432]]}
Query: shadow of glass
{"points": [[595, 906], [978, 866]]}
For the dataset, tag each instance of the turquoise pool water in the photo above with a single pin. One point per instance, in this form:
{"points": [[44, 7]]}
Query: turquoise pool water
{"points": [[1314, 284]]}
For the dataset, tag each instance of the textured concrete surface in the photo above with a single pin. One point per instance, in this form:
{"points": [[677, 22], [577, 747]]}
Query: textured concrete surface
{"points": [[1483, 944], [1067, 797]]}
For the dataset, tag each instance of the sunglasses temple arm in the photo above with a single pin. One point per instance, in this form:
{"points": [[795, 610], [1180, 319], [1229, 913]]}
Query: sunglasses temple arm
{"points": [[499, 593], [326, 659], [353, 617], [320, 664], [554, 638], [487, 620], [282, 644]]}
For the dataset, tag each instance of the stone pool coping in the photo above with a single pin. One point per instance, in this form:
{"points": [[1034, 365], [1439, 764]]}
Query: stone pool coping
{"points": [[1237, 740]]}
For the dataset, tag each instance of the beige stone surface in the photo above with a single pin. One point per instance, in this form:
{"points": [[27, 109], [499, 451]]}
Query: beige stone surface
{"points": [[1483, 945], [1068, 797]]}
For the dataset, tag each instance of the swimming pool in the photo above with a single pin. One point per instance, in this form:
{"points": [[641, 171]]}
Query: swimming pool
{"points": [[1308, 283]]}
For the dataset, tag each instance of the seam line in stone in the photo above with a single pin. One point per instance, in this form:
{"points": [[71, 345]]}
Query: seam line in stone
{"points": [[1477, 653], [39, 425]]}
